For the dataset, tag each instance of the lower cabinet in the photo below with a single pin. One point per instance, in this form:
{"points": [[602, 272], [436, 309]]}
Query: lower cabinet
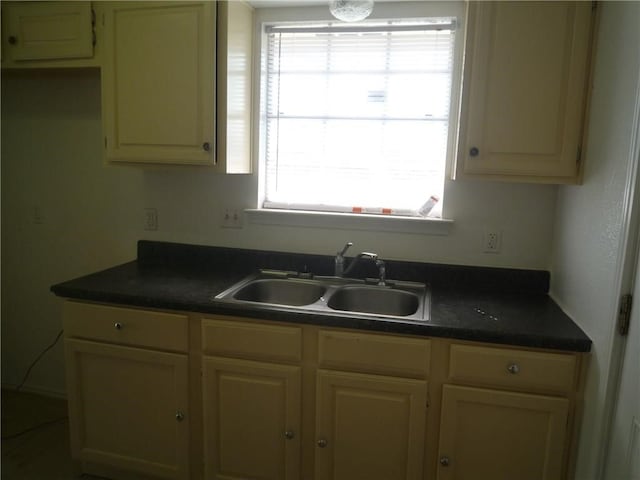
{"points": [[281, 401], [128, 406], [369, 427], [251, 419], [496, 434]]}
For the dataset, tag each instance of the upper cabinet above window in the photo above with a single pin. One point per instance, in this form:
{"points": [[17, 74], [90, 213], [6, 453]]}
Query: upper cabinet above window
{"points": [[48, 34], [525, 88]]}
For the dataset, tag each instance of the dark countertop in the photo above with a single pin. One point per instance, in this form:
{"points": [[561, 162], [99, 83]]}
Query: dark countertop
{"points": [[502, 306]]}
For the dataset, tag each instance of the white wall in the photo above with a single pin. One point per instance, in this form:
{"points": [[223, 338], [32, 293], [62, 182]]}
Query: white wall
{"points": [[587, 243]]}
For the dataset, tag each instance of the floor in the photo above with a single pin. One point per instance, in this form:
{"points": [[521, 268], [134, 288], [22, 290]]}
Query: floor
{"points": [[35, 438]]}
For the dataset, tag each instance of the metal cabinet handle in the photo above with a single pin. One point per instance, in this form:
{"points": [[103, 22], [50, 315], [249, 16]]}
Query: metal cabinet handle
{"points": [[444, 461], [513, 369], [322, 443], [206, 146], [179, 416], [118, 326], [13, 40], [474, 151], [289, 435]]}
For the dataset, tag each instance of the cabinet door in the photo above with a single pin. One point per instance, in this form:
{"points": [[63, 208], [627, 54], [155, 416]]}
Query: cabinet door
{"points": [[48, 30], [127, 408], [369, 427], [158, 82], [251, 420], [499, 435], [524, 93]]}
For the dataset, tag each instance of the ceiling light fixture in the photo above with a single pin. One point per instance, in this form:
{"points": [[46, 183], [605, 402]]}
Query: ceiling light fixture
{"points": [[351, 10]]}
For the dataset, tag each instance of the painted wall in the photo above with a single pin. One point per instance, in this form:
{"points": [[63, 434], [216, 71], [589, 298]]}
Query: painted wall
{"points": [[587, 243]]}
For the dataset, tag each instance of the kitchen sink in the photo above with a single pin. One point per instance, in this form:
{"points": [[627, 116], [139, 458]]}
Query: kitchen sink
{"points": [[374, 299], [293, 292], [334, 296]]}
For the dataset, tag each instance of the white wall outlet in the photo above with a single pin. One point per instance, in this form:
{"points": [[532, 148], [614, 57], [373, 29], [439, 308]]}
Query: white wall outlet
{"points": [[151, 219], [231, 218], [492, 240], [37, 217]]}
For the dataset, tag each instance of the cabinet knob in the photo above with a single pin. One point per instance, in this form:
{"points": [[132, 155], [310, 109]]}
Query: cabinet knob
{"points": [[179, 416], [118, 326], [322, 443], [513, 368], [444, 461], [474, 151], [206, 146], [289, 435], [13, 40]]}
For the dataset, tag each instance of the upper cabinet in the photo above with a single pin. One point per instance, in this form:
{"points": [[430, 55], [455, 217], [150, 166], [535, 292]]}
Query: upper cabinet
{"points": [[158, 82], [162, 93], [48, 34], [524, 93]]}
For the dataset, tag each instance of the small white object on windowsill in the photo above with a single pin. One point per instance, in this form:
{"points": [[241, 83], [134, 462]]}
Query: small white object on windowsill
{"points": [[428, 206]]}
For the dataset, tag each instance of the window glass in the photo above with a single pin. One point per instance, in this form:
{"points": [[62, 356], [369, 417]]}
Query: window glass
{"points": [[357, 116]]}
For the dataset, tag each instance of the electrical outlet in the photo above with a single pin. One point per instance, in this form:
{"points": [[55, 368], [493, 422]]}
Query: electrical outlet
{"points": [[151, 219], [231, 218], [492, 240], [37, 217]]}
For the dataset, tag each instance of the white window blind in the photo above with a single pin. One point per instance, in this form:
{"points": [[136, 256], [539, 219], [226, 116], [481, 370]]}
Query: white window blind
{"points": [[357, 117]]}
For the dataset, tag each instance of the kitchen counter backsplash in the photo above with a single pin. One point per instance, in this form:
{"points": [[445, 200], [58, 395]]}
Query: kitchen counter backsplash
{"points": [[481, 279]]}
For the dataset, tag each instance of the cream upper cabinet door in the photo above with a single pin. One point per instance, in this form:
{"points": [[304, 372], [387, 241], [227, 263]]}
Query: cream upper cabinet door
{"points": [[47, 30], [251, 420], [159, 82], [526, 72], [127, 408], [369, 427], [499, 435]]}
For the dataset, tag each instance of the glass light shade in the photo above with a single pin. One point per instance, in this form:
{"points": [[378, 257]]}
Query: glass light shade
{"points": [[351, 10]]}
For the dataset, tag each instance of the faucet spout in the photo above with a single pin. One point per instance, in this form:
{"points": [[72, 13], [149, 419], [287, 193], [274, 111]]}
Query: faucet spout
{"points": [[339, 260]]}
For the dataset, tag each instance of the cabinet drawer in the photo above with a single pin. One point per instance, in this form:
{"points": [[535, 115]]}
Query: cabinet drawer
{"points": [[144, 328], [512, 368], [374, 353], [238, 338]]}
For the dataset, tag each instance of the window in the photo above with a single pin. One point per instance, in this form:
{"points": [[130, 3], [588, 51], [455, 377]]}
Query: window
{"points": [[356, 117]]}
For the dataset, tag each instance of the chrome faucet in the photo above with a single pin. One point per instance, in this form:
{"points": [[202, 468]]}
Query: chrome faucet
{"points": [[382, 270], [339, 260]]}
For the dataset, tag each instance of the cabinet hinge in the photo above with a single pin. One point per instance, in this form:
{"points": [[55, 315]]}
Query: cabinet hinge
{"points": [[624, 314], [579, 156], [93, 27]]}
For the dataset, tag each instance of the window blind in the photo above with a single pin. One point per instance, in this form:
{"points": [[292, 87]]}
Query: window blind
{"points": [[357, 117]]}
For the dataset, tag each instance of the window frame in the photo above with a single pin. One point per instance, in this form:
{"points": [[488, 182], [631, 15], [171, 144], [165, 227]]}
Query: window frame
{"points": [[382, 11]]}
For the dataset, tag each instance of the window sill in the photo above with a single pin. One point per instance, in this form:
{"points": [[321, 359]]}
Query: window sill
{"points": [[349, 221]]}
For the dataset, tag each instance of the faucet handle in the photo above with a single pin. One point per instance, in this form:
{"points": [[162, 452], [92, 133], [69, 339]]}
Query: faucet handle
{"points": [[346, 247]]}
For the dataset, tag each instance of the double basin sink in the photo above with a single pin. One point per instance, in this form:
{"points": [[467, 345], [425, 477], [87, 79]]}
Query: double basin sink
{"points": [[346, 296]]}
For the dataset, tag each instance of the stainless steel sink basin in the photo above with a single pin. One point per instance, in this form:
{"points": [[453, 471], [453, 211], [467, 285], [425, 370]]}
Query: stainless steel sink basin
{"points": [[334, 296], [281, 291], [374, 299]]}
